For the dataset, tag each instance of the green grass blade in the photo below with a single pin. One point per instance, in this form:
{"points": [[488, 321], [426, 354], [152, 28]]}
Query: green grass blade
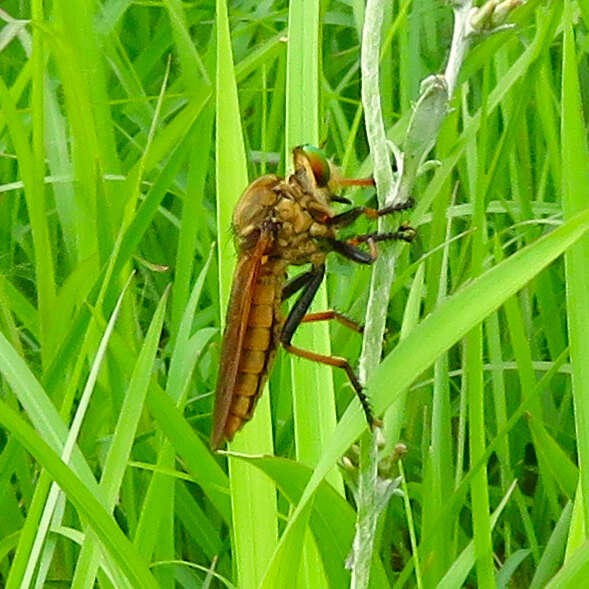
{"points": [[161, 487], [575, 171], [252, 495], [575, 572], [122, 442], [108, 532], [34, 195], [38, 407], [50, 512], [314, 414], [464, 310], [552, 555]]}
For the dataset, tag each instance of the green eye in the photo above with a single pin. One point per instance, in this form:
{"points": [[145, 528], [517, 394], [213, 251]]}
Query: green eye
{"points": [[319, 164]]}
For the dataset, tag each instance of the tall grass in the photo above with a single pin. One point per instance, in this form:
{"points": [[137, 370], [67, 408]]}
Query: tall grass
{"points": [[127, 132]]}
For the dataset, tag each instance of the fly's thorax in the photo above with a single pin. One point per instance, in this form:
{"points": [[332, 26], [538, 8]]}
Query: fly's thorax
{"points": [[296, 209], [301, 213], [255, 206], [300, 222], [292, 217]]}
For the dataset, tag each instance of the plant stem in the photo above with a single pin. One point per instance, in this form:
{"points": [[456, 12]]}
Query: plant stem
{"points": [[430, 110]]}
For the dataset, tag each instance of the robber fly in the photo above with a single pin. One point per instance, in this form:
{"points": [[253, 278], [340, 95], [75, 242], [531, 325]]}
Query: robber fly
{"points": [[279, 222]]}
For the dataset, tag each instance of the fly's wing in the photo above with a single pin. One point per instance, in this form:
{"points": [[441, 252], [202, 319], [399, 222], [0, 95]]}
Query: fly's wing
{"points": [[244, 282]]}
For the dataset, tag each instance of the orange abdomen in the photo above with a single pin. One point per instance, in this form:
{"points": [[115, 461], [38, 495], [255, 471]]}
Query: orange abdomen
{"points": [[258, 350]]}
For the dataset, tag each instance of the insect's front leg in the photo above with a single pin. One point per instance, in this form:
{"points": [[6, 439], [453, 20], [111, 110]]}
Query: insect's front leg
{"points": [[404, 233], [348, 217], [348, 248]]}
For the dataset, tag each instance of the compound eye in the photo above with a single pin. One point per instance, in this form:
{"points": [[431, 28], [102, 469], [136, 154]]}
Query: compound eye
{"points": [[319, 164]]}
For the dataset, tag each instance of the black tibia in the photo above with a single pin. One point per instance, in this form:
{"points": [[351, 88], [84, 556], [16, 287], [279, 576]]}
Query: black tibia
{"points": [[350, 216], [295, 284], [350, 251], [346, 218], [303, 303], [342, 199]]}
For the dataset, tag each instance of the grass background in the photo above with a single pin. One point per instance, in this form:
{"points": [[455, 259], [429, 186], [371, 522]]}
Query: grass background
{"points": [[127, 132]]}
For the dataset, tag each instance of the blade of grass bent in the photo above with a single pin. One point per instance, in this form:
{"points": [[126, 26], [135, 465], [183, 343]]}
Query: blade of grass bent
{"points": [[40, 410], [432, 337]]}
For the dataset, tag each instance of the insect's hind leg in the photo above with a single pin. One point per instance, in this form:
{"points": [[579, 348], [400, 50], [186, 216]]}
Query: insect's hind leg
{"points": [[296, 317], [332, 314], [338, 362], [295, 284]]}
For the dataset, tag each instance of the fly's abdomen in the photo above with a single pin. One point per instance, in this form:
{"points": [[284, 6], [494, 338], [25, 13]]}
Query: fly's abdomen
{"points": [[258, 351]]}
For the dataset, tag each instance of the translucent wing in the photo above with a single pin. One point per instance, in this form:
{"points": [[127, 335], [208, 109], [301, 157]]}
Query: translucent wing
{"points": [[244, 282]]}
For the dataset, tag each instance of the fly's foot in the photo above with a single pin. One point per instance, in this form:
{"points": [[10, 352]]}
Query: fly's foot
{"points": [[376, 423]]}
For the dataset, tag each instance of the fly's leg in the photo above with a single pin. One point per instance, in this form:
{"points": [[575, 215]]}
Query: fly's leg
{"points": [[331, 314], [348, 248], [404, 233], [299, 309], [295, 318], [299, 282], [295, 284], [348, 217], [339, 363]]}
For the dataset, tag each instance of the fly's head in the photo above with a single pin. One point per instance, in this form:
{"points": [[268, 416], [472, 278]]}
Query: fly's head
{"points": [[313, 171], [321, 177]]}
